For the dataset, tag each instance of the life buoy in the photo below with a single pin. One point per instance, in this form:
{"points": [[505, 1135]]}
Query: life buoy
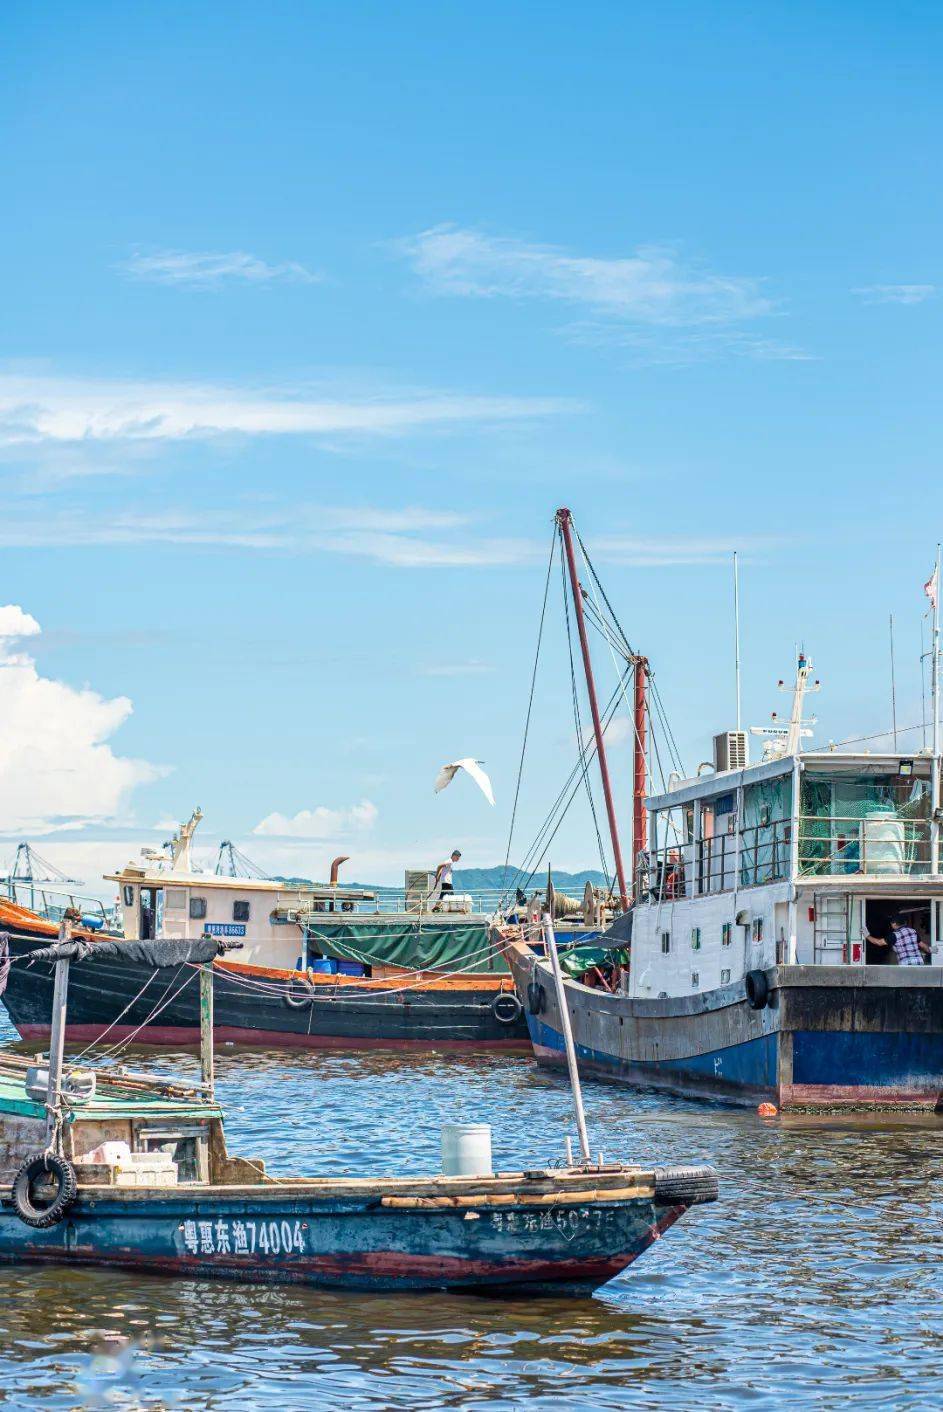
{"points": [[536, 998], [757, 988], [293, 999], [506, 1008], [47, 1165]]}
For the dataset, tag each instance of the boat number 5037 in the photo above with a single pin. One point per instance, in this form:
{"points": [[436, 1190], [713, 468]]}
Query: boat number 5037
{"points": [[226, 1237]]}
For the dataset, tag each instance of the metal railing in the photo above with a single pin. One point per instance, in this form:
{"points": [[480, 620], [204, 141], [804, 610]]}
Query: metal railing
{"points": [[52, 905], [484, 902], [878, 844], [710, 865]]}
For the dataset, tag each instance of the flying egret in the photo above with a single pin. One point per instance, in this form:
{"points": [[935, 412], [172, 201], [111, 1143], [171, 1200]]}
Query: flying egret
{"points": [[472, 767]]}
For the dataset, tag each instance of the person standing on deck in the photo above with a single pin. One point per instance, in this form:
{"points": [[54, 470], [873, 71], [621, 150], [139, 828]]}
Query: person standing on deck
{"points": [[907, 946], [443, 876]]}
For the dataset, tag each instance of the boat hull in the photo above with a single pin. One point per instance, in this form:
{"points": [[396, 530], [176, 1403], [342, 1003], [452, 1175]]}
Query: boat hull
{"points": [[120, 1001], [830, 1037], [347, 1243]]}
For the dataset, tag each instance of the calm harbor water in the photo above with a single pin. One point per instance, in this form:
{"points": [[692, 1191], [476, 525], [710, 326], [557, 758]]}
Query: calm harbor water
{"points": [[816, 1278]]}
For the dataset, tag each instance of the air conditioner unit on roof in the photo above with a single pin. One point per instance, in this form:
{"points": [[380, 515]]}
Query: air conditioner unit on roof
{"points": [[730, 751]]}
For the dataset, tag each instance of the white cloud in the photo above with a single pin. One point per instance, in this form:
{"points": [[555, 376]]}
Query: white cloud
{"points": [[57, 769], [653, 285], [895, 293], [320, 823], [206, 270], [15, 623], [36, 410]]}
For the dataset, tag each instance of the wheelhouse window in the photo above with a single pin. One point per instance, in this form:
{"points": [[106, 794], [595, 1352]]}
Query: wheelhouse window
{"points": [[757, 929], [240, 911], [175, 899], [695, 938], [665, 943], [726, 933], [197, 908]]}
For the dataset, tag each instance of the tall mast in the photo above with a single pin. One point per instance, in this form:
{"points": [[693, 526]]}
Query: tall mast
{"points": [[935, 685], [564, 520]]}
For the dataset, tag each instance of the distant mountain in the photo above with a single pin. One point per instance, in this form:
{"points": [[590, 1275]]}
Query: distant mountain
{"points": [[485, 880]]}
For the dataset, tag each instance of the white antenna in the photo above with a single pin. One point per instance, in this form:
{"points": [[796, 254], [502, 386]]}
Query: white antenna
{"points": [[893, 686], [736, 629], [787, 740]]}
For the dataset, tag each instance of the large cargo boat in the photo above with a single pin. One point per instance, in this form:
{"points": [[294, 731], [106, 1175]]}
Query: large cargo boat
{"points": [[763, 955]]}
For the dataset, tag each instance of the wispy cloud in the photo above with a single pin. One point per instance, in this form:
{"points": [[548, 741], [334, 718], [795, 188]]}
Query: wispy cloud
{"points": [[472, 668], [674, 550], [895, 293], [208, 270], [653, 285], [412, 538], [40, 409]]}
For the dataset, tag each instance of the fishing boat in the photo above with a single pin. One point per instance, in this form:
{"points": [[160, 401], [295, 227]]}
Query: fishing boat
{"points": [[113, 1169], [760, 939], [320, 965]]}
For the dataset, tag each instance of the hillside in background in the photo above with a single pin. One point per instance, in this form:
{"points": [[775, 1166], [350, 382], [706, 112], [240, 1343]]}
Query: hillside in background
{"points": [[485, 880]]}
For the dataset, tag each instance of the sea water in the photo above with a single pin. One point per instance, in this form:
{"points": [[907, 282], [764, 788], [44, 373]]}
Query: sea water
{"points": [[816, 1278]]}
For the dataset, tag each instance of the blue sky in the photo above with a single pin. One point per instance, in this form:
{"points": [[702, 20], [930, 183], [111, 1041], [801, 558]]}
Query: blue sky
{"points": [[313, 314]]}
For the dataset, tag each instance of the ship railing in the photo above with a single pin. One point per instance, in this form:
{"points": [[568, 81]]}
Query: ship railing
{"points": [[880, 844], [52, 904], [484, 902], [710, 865]]}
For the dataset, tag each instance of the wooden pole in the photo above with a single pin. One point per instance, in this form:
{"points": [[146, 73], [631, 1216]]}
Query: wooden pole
{"points": [[60, 993], [550, 941], [207, 1072], [564, 520]]}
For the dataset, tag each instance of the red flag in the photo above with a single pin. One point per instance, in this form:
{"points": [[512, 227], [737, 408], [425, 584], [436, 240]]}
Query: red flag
{"points": [[930, 588]]}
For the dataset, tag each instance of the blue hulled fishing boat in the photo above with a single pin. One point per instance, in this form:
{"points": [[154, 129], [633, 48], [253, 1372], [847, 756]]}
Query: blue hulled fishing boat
{"points": [[108, 1168]]}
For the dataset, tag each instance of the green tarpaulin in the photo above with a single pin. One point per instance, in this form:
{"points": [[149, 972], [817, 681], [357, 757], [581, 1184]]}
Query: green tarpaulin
{"points": [[420, 944]]}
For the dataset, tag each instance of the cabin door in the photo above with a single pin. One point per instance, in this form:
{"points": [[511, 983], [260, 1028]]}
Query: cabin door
{"points": [[148, 927]]}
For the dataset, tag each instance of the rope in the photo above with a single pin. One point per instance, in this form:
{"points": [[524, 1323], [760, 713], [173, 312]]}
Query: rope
{"points": [[530, 702], [96, 1042]]}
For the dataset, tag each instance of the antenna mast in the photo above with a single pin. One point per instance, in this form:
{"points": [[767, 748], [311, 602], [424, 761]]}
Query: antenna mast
{"points": [[736, 629], [565, 521]]}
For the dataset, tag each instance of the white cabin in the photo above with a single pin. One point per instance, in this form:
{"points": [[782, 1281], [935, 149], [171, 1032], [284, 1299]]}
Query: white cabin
{"points": [[168, 897], [794, 860]]}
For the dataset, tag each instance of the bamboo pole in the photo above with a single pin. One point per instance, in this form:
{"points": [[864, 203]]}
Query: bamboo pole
{"points": [[550, 941]]}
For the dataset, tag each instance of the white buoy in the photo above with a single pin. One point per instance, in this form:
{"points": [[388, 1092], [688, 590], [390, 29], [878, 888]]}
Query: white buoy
{"points": [[466, 1150]]}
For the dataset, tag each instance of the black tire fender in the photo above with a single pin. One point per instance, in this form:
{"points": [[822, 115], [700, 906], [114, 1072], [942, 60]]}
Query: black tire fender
{"points": [[506, 1008], [67, 1187], [536, 998], [299, 993], [757, 989], [685, 1186]]}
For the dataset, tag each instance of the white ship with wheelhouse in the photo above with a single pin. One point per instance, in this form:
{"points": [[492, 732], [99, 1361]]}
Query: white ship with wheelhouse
{"points": [[763, 963]]}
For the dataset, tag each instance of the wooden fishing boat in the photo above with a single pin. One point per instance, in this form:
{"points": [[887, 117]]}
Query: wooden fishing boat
{"points": [[116, 994], [134, 1172]]}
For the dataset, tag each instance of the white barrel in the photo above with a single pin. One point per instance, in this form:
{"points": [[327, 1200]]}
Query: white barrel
{"points": [[466, 1150], [883, 844]]}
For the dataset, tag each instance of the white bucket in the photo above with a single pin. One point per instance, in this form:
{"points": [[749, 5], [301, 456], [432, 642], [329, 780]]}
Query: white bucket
{"points": [[466, 1150]]}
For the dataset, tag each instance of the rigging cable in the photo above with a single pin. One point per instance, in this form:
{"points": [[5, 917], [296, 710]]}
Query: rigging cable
{"points": [[577, 719], [530, 704]]}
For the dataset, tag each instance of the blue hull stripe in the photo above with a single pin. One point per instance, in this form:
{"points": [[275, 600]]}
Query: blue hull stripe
{"points": [[897, 1062]]}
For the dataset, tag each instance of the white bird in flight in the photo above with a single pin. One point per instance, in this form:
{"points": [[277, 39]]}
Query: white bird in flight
{"points": [[473, 767]]}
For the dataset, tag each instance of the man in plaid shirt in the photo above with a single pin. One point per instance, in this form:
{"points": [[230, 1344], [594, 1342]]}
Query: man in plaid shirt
{"points": [[908, 948]]}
